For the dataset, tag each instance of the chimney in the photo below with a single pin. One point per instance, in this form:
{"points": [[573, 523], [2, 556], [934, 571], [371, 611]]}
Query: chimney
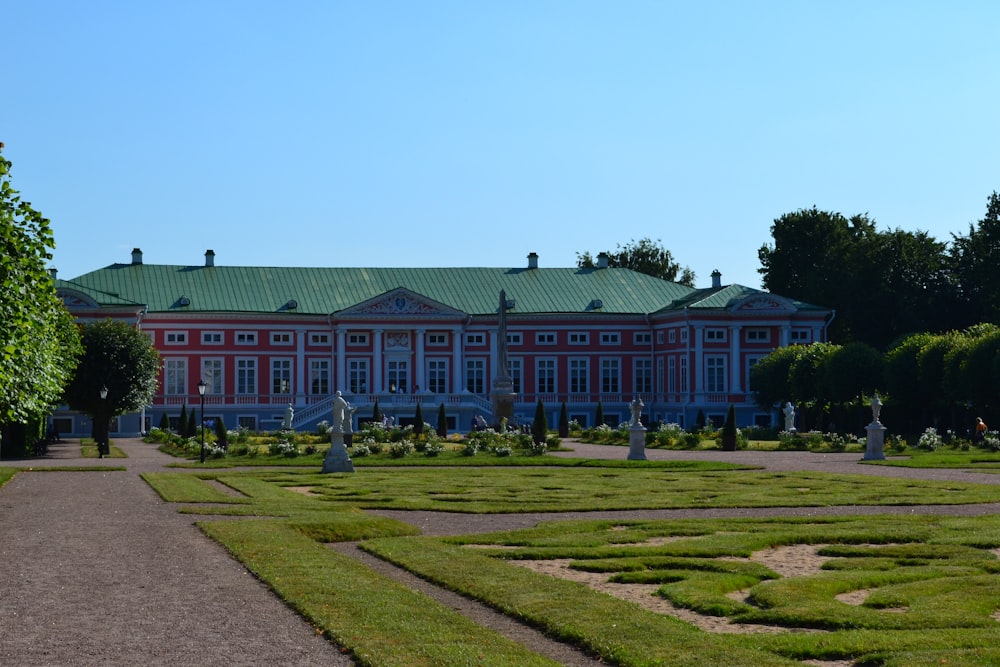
{"points": [[532, 260], [136, 256], [716, 279], [602, 260], [209, 257], [53, 273]]}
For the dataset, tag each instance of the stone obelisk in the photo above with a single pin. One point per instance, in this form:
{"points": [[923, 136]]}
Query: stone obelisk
{"points": [[503, 386]]}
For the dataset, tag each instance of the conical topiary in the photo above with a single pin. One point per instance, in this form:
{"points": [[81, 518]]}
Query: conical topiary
{"points": [[563, 421], [442, 425], [182, 422], [540, 427], [729, 431], [418, 421], [599, 415]]}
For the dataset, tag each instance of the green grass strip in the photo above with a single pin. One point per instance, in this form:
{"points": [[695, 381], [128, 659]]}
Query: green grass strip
{"points": [[6, 474], [619, 632], [379, 621]]}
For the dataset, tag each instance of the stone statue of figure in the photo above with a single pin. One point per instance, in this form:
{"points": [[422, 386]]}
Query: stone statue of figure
{"points": [[876, 409], [341, 409], [636, 406], [286, 423], [789, 416]]}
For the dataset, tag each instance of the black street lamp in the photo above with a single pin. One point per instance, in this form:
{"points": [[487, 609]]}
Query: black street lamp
{"points": [[102, 428], [201, 392]]}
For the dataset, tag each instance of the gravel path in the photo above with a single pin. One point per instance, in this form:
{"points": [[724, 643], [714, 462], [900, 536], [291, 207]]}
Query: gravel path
{"points": [[97, 570]]}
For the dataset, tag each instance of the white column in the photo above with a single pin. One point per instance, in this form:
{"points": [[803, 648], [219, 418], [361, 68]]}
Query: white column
{"points": [[340, 363], [377, 378], [456, 373], [418, 372], [300, 363], [698, 331], [785, 334], [735, 375]]}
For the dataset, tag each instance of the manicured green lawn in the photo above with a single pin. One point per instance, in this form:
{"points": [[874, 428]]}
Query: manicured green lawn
{"points": [[927, 586], [976, 459]]}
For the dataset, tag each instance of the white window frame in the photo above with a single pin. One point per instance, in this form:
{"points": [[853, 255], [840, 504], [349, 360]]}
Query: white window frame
{"points": [[611, 338], [642, 376], [514, 369], [579, 375], [438, 372], [800, 336], [319, 377], [671, 336], [715, 335], [246, 376], [475, 339], [282, 338], [611, 375], [579, 337], [215, 376], [357, 376], [682, 375], [212, 338], [475, 375], [319, 339], [642, 338], [716, 373], [175, 376], [281, 375], [546, 375], [437, 339], [671, 375], [175, 337], [684, 335], [515, 338], [246, 337], [357, 339], [758, 335], [545, 338]]}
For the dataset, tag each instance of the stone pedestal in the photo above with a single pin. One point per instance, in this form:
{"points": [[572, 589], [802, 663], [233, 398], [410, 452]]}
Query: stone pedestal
{"points": [[876, 441], [636, 443], [337, 459]]}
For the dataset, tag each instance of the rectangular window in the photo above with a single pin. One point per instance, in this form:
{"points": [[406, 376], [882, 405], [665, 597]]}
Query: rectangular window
{"points": [[579, 377], [514, 338], [671, 375], [357, 376], [357, 339], [319, 339], [211, 373], [545, 372], [684, 335], [659, 338], [671, 336], [579, 338], [715, 374], [611, 338], [281, 376], [751, 362], [758, 335], [715, 335], [475, 376], [545, 338], [246, 376], [514, 366], [659, 375], [643, 377], [437, 339], [175, 376], [397, 373], [437, 376], [248, 422], [642, 338], [610, 376], [319, 377], [682, 375], [475, 339], [176, 338], [800, 335], [246, 337], [211, 338], [281, 338]]}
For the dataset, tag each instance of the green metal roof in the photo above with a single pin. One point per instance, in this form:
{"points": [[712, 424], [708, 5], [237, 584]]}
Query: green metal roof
{"points": [[320, 291]]}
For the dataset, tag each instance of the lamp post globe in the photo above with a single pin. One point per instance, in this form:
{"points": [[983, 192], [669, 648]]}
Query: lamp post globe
{"points": [[201, 393], [102, 424]]}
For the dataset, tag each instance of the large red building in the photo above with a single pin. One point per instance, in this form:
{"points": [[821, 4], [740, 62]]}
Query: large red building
{"points": [[264, 338]]}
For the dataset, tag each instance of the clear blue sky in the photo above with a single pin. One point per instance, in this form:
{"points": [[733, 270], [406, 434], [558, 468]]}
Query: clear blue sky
{"points": [[470, 133]]}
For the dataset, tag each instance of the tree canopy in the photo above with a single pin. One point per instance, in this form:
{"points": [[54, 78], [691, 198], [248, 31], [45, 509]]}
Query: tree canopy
{"points": [[38, 342], [643, 256], [119, 357]]}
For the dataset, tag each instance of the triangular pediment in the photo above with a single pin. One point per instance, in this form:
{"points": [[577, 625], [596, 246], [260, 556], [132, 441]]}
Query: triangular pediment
{"points": [[763, 304], [75, 300], [400, 302]]}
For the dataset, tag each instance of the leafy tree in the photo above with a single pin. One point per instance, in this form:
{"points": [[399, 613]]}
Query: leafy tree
{"points": [[442, 422], [974, 261], [164, 422], [904, 383], [644, 256], [38, 343], [849, 373], [563, 421], [119, 357], [769, 377], [418, 420], [540, 427], [807, 381]]}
